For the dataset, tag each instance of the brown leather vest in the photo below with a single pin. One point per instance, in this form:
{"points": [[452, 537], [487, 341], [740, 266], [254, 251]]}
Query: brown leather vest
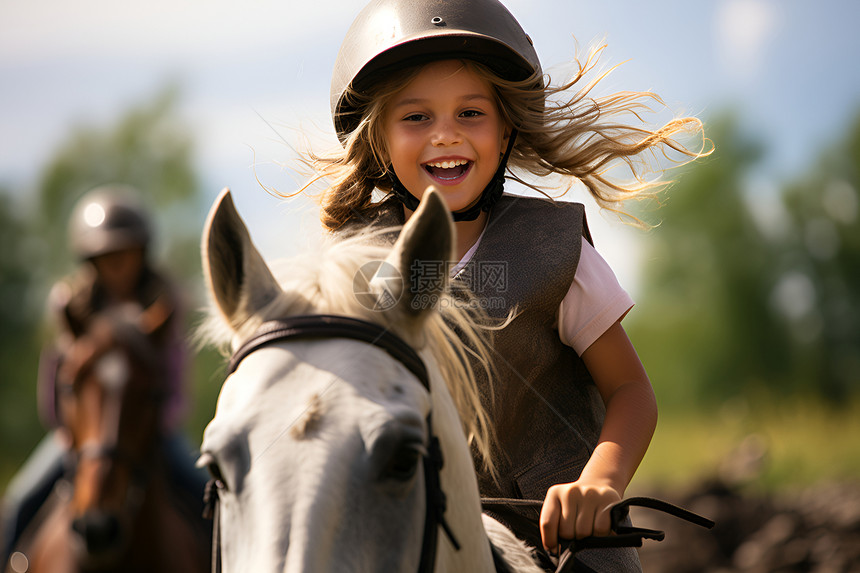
{"points": [[544, 406]]}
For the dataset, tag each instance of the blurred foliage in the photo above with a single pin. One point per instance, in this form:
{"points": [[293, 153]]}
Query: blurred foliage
{"points": [[148, 148], [819, 291], [748, 289], [19, 351]]}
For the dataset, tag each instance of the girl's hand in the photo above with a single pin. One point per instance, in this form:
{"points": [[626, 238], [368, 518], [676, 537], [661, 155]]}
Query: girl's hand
{"points": [[576, 510]]}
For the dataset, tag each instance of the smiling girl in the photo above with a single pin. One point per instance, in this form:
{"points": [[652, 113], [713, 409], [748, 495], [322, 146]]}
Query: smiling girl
{"points": [[451, 94]]}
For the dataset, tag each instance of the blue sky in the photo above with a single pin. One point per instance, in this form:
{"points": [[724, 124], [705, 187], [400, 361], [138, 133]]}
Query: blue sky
{"points": [[255, 72]]}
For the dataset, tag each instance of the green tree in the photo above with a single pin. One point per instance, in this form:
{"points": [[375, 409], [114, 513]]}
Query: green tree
{"points": [[820, 285], [704, 327], [747, 290], [18, 353]]}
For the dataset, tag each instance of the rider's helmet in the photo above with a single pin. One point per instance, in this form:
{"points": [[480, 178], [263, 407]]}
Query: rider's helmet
{"points": [[108, 219], [388, 35]]}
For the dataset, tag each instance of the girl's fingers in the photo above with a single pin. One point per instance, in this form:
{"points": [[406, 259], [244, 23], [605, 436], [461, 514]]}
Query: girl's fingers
{"points": [[584, 522], [603, 521], [568, 513], [549, 516], [567, 524]]}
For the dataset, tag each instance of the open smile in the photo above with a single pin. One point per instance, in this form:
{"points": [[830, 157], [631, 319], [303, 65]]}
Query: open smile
{"points": [[449, 171]]}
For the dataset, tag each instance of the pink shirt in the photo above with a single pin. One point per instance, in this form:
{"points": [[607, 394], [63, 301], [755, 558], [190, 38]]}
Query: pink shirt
{"points": [[594, 302]]}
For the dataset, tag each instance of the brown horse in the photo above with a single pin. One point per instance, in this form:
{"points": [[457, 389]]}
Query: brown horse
{"points": [[116, 509]]}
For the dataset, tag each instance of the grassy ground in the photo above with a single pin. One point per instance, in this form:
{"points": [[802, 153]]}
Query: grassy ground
{"points": [[802, 442]]}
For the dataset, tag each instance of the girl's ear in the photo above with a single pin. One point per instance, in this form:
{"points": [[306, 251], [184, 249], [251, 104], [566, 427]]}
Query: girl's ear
{"points": [[506, 137]]}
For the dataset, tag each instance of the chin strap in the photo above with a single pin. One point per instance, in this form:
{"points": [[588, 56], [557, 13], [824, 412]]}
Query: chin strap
{"points": [[489, 196]]}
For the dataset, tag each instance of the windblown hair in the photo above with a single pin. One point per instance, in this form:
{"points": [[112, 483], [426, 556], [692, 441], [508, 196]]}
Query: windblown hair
{"points": [[562, 130], [452, 341]]}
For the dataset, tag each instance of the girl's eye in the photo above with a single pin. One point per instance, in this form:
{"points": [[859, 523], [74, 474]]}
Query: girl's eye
{"points": [[472, 113], [415, 117]]}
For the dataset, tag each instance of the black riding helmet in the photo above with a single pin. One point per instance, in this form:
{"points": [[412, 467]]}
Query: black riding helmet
{"points": [[108, 219], [389, 35]]}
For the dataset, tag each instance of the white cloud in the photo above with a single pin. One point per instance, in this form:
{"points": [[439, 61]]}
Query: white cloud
{"points": [[35, 30], [743, 31]]}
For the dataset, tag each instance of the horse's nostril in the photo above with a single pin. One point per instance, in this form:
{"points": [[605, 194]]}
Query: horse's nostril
{"points": [[100, 531]]}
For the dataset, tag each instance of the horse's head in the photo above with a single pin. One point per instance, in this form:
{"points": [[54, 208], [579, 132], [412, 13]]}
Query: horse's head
{"points": [[109, 390], [318, 441]]}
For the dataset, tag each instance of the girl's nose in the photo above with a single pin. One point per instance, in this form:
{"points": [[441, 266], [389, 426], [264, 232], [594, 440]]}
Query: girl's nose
{"points": [[446, 133]]}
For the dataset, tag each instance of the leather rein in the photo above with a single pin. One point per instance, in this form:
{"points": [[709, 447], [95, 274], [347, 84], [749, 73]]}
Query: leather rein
{"points": [[333, 326]]}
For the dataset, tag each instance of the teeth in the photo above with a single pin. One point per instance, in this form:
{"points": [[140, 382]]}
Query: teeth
{"points": [[448, 164]]}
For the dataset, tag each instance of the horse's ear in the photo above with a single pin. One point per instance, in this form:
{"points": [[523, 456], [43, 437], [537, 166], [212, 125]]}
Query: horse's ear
{"points": [[238, 278], [422, 254]]}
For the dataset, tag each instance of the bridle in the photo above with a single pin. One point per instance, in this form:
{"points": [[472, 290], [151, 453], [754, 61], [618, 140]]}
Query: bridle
{"points": [[334, 326]]}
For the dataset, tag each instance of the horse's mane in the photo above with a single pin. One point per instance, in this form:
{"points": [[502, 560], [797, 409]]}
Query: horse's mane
{"points": [[454, 337]]}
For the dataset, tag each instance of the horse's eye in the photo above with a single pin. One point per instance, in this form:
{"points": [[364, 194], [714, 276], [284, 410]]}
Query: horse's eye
{"points": [[404, 462]]}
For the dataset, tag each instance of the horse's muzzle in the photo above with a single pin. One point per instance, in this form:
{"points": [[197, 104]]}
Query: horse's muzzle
{"points": [[100, 533]]}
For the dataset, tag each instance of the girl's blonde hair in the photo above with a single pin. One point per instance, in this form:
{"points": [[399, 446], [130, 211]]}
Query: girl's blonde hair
{"points": [[562, 131]]}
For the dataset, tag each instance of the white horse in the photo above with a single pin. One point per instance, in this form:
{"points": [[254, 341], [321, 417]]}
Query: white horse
{"points": [[318, 441]]}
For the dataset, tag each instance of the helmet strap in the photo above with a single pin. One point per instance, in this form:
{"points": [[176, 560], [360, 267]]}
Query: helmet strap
{"points": [[489, 196]]}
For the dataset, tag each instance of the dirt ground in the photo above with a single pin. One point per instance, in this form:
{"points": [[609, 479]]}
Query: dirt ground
{"points": [[814, 529]]}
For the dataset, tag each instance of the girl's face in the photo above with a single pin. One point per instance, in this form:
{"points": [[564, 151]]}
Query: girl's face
{"points": [[119, 271], [444, 129]]}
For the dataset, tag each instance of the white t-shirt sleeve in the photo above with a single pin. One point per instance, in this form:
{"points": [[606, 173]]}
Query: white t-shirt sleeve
{"points": [[594, 302]]}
